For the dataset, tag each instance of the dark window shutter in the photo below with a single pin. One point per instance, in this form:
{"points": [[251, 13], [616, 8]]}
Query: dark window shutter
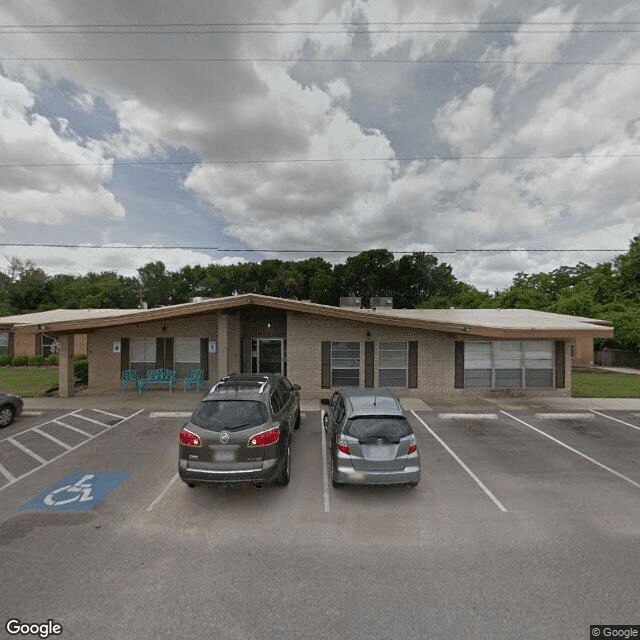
{"points": [[204, 356], [159, 353], [459, 365], [560, 382], [124, 354], [368, 364], [11, 343], [326, 365], [413, 365], [168, 353]]}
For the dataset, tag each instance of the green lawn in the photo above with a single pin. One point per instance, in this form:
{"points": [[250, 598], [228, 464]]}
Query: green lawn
{"points": [[605, 385], [28, 382]]}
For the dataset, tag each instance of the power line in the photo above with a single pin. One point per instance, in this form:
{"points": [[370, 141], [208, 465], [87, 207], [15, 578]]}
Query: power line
{"points": [[311, 250], [435, 158], [612, 63]]}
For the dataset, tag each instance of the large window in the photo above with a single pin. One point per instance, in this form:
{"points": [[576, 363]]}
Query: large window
{"points": [[393, 364], [143, 355], [345, 364], [4, 343], [509, 363], [186, 356]]}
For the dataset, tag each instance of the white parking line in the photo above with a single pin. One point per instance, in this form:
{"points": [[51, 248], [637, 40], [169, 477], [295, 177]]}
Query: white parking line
{"points": [[108, 413], [28, 451], [566, 446], [64, 445], [325, 473], [12, 479], [628, 424], [162, 493], [462, 464], [68, 426]]}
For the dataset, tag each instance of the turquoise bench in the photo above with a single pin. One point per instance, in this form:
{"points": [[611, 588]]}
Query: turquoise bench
{"points": [[158, 376], [196, 377], [129, 375]]}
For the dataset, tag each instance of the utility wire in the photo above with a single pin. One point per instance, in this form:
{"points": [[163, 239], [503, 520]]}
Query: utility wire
{"points": [[200, 248], [436, 158]]}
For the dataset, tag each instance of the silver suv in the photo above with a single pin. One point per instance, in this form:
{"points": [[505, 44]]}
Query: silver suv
{"points": [[240, 432], [370, 438]]}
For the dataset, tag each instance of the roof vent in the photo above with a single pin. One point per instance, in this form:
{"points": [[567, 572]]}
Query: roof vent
{"points": [[351, 301], [382, 303]]}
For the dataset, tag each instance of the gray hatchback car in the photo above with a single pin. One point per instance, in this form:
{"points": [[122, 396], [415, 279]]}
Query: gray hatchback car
{"points": [[370, 438], [240, 432]]}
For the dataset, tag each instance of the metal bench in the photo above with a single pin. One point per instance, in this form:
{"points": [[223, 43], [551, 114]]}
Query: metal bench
{"points": [[129, 375], [158, 376], [196, 377]]}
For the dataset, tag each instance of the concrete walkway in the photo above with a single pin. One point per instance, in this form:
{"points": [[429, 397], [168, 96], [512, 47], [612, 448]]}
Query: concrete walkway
{"points": [[162, 400]]}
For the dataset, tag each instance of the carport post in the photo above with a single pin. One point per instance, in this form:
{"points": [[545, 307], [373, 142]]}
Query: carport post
{"points": [[66, 375]]}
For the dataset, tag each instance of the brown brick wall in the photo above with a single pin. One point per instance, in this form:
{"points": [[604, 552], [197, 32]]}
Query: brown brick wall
{"points": [[104, 364]]}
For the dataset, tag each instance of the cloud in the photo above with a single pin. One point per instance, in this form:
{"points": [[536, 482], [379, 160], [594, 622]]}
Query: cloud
{"points": [[68, 182]]}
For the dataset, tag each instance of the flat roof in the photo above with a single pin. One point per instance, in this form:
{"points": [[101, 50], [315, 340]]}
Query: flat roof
{"points": [[497, 323]]}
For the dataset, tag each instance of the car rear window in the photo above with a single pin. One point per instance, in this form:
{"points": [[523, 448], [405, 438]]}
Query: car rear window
{"points": [[372, 427], [218, 415]]}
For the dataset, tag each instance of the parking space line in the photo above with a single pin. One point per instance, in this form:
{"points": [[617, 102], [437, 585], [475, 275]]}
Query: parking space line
{"points": [[68, 426], [162, 493], [6, 474], [628, 424], [13, 479], [462, 464], [102, 424], [566, 446], [28, 451], [325, 473], [64, 445], [107, 413]]}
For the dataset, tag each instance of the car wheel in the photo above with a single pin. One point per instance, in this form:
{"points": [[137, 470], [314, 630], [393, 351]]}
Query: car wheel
{"points": [[191, 484], [7, 413], [285, 474], [297, 422], [412, 485]]}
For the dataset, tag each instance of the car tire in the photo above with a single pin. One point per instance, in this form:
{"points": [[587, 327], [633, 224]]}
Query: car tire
{"points": [[296, 424], [334, 483], [191, 485], [285, 474], [7, 414]]}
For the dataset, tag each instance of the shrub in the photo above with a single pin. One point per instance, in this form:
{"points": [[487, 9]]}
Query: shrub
{"points": [[5, 360], [81, 369], [36, 361], [19, 361], [53, 359], [79, 358]]}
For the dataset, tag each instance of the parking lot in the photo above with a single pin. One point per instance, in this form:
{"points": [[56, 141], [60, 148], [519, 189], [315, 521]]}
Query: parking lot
{"points": [[526, 524]]}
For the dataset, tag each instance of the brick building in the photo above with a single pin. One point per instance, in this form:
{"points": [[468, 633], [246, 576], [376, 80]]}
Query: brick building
{"points": [[424, 353]]}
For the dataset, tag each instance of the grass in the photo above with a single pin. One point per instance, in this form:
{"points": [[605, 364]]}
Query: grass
{"points": [[28, 382], [605, 385]]}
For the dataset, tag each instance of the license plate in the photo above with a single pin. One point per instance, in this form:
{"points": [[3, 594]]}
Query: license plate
{"points": [[224, 456]]}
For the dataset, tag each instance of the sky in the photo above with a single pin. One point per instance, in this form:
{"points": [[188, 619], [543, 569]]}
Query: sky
{"points": [[199, 132]]}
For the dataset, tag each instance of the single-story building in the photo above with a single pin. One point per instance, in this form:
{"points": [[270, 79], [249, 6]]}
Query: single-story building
{"points": [[416, 352]]}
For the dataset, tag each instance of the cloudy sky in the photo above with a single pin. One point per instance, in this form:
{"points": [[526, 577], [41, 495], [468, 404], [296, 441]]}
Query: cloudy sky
{"points": [[237, 129]]}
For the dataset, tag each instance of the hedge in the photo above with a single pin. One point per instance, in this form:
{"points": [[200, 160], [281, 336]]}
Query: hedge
{"points": [[19, 361], [36, 361]]}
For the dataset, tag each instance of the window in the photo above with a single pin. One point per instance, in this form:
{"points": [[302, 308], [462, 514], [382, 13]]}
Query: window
{"points": [[143, 355], [509, 364], [4, 343], [186, 356], [345, 364], [393, 364], [47, 345]]}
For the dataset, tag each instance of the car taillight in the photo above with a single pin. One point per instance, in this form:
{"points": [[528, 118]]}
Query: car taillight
{"points": [[190, 439], [342, 445], [265, 438], [412, 448]]}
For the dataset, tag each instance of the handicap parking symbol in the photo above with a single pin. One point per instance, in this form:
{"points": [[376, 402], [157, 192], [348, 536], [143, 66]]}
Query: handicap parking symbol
{"points": [[79, 491]]}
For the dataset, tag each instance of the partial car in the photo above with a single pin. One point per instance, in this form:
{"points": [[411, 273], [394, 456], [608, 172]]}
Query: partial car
{"points": [[241, 432], [371, 441], [10, 407]]}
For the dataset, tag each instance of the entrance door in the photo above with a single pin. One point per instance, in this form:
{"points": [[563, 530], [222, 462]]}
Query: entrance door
{"points": [[271, 355]]}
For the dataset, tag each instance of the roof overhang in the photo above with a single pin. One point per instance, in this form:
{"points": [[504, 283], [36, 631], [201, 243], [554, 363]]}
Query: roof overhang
{"points": [[463, 325]]}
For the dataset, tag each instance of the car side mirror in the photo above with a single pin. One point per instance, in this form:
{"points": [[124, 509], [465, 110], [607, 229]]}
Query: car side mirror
{"points": [[296, 387]]}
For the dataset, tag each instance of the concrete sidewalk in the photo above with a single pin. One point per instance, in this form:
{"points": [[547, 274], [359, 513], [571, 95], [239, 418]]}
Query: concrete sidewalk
{"points": [[162, 400]]}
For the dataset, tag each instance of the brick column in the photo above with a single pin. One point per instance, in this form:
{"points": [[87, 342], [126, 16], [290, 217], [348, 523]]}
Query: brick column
{"points": [[223, 345], [66, 376]]}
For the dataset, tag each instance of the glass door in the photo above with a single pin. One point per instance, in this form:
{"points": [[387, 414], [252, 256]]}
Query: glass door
{"points": [[271, 355]]}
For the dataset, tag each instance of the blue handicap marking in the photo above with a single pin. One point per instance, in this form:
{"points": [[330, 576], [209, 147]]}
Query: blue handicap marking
{"points": [[80, 491]]}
